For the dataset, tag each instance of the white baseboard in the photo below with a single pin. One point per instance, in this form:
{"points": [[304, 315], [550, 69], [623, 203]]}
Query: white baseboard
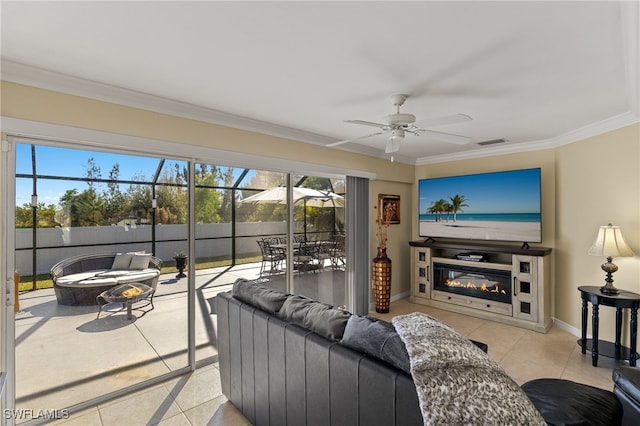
{"points": [[568, 328]]}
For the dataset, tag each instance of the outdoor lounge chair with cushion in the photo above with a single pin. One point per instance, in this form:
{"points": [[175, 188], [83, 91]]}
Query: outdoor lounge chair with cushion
{"points": [[78, 280]]}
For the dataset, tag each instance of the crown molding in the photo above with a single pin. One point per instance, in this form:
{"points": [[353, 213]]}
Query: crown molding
{"points": [[598, 128], [50, 80], [486, 152], [590, 130]]}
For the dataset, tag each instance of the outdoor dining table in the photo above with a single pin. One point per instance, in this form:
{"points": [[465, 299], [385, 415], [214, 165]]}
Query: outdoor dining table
{"points": [[298, 244], [321, 254]]}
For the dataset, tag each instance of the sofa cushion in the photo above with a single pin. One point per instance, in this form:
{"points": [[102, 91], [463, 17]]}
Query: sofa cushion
{"points": [[113, 274], [378, 339], [258, 295], [74, 279], [105, 277], [564, 402], [121, 261], [93, 282], [326, 320], [138, 276]]}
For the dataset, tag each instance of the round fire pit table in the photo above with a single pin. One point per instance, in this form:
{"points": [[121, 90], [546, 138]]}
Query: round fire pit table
{"points": [[126, 295]]}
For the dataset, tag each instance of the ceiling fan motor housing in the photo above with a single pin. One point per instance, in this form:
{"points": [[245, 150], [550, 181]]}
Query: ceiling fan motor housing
{"points": [[400, 119]]}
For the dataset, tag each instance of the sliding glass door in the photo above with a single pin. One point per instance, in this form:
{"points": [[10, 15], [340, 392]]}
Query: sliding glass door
{"points": [[73, 343], [285, 230]]}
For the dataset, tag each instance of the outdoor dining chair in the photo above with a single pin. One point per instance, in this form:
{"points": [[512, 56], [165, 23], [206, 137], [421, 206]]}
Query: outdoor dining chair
{"points": [[307, 257], [272, 258]]}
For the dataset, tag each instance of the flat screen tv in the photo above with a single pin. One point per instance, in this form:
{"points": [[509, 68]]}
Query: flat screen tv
{"points": [[500, 206]]}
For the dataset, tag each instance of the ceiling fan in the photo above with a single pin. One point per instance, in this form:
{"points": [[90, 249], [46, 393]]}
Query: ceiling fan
{"points": [[399, 124]]}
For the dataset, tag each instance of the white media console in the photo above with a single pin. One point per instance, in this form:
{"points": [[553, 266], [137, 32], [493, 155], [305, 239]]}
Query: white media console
{"points": [[499, 282]]}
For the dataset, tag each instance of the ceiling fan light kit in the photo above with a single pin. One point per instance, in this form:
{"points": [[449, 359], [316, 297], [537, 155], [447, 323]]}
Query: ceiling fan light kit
{"points": [[400, 123]]}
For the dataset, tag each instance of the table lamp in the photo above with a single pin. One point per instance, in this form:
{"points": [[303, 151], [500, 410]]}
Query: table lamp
{"points": [[610, 243]]}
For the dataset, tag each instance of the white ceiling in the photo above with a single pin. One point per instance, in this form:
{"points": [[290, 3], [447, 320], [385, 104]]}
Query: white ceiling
{"points": [[537, 74]]}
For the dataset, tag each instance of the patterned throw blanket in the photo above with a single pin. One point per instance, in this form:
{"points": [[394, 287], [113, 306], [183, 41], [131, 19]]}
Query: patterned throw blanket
{"points": [[457, 383]]}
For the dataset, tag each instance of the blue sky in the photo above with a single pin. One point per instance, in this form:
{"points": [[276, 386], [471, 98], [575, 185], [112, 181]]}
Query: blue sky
{"points": [[57, 161], [516, 191], [71, 162]]}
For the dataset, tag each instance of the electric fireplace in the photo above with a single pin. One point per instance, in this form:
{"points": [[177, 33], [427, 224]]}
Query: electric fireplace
{"points": [[479, 282]]}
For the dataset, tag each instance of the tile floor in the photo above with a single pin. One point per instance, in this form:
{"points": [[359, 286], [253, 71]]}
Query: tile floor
{"points": [[196, 399]]}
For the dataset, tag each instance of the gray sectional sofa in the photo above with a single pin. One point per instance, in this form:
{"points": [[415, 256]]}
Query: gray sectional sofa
{"points": [[288, 360], [80, 279]]}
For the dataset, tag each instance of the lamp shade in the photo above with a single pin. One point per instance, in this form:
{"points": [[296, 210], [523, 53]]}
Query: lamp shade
{"points": [[609, 243]]}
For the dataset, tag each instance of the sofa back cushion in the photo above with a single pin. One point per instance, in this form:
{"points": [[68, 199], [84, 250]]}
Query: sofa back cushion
{"points": [[260, 296], [378, 339], [326, 320]]}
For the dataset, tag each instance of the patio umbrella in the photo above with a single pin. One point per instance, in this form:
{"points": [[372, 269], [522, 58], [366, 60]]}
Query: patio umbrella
{"points": [[311, 198]]}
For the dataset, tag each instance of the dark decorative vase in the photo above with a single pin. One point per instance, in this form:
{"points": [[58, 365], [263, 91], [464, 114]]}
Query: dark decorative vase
{"points": [[181, 263], [381, 271]]}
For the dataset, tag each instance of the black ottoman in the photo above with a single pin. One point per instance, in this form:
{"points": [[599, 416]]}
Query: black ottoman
{"points": [[563, 402]]}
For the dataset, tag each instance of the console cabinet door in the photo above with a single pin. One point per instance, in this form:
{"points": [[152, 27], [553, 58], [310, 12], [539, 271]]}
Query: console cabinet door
{"points": [[525, 287], [422, 281]]}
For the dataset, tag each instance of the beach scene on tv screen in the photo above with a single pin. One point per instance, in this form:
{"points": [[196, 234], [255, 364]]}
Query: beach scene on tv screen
{"points": [[502, 206]]}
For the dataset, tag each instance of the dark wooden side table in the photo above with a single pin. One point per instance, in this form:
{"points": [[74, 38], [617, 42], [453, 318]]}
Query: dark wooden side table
{"points": [[623, 300]]}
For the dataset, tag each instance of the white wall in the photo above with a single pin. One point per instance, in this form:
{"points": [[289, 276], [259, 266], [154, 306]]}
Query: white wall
{"points": [[120, 239]]}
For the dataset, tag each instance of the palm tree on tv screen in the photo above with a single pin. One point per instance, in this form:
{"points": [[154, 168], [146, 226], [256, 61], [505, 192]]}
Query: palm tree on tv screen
{"points": [[457, 202], [438, 208]]}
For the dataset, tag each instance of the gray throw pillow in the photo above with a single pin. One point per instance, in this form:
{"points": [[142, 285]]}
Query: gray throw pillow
{"points": [[258, 295], [326, 320], [378, 339]]}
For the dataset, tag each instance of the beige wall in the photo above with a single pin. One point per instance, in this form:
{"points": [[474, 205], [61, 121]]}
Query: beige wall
{"points": [[597, 182], [584, 184], [399, 235], [29, 103]]}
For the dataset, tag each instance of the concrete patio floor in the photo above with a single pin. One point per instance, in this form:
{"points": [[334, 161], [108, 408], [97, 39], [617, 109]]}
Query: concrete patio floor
{"points": [[66, 356]]}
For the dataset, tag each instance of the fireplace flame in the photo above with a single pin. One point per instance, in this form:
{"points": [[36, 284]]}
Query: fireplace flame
{"points": [[470, 285]]}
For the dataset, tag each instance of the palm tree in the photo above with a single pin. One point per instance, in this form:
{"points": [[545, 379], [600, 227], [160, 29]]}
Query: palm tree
{"points": [[438, 207], [433, 210], [457, 202], [448, 208]]}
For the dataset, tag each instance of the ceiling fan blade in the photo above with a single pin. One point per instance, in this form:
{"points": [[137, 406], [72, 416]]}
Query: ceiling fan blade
{"points": [[367, 123], [445, 137], [443, 121], [355, 139]]}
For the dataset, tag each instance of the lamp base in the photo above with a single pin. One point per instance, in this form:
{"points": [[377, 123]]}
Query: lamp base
{"points": [[609, 289], [609, 268]]}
